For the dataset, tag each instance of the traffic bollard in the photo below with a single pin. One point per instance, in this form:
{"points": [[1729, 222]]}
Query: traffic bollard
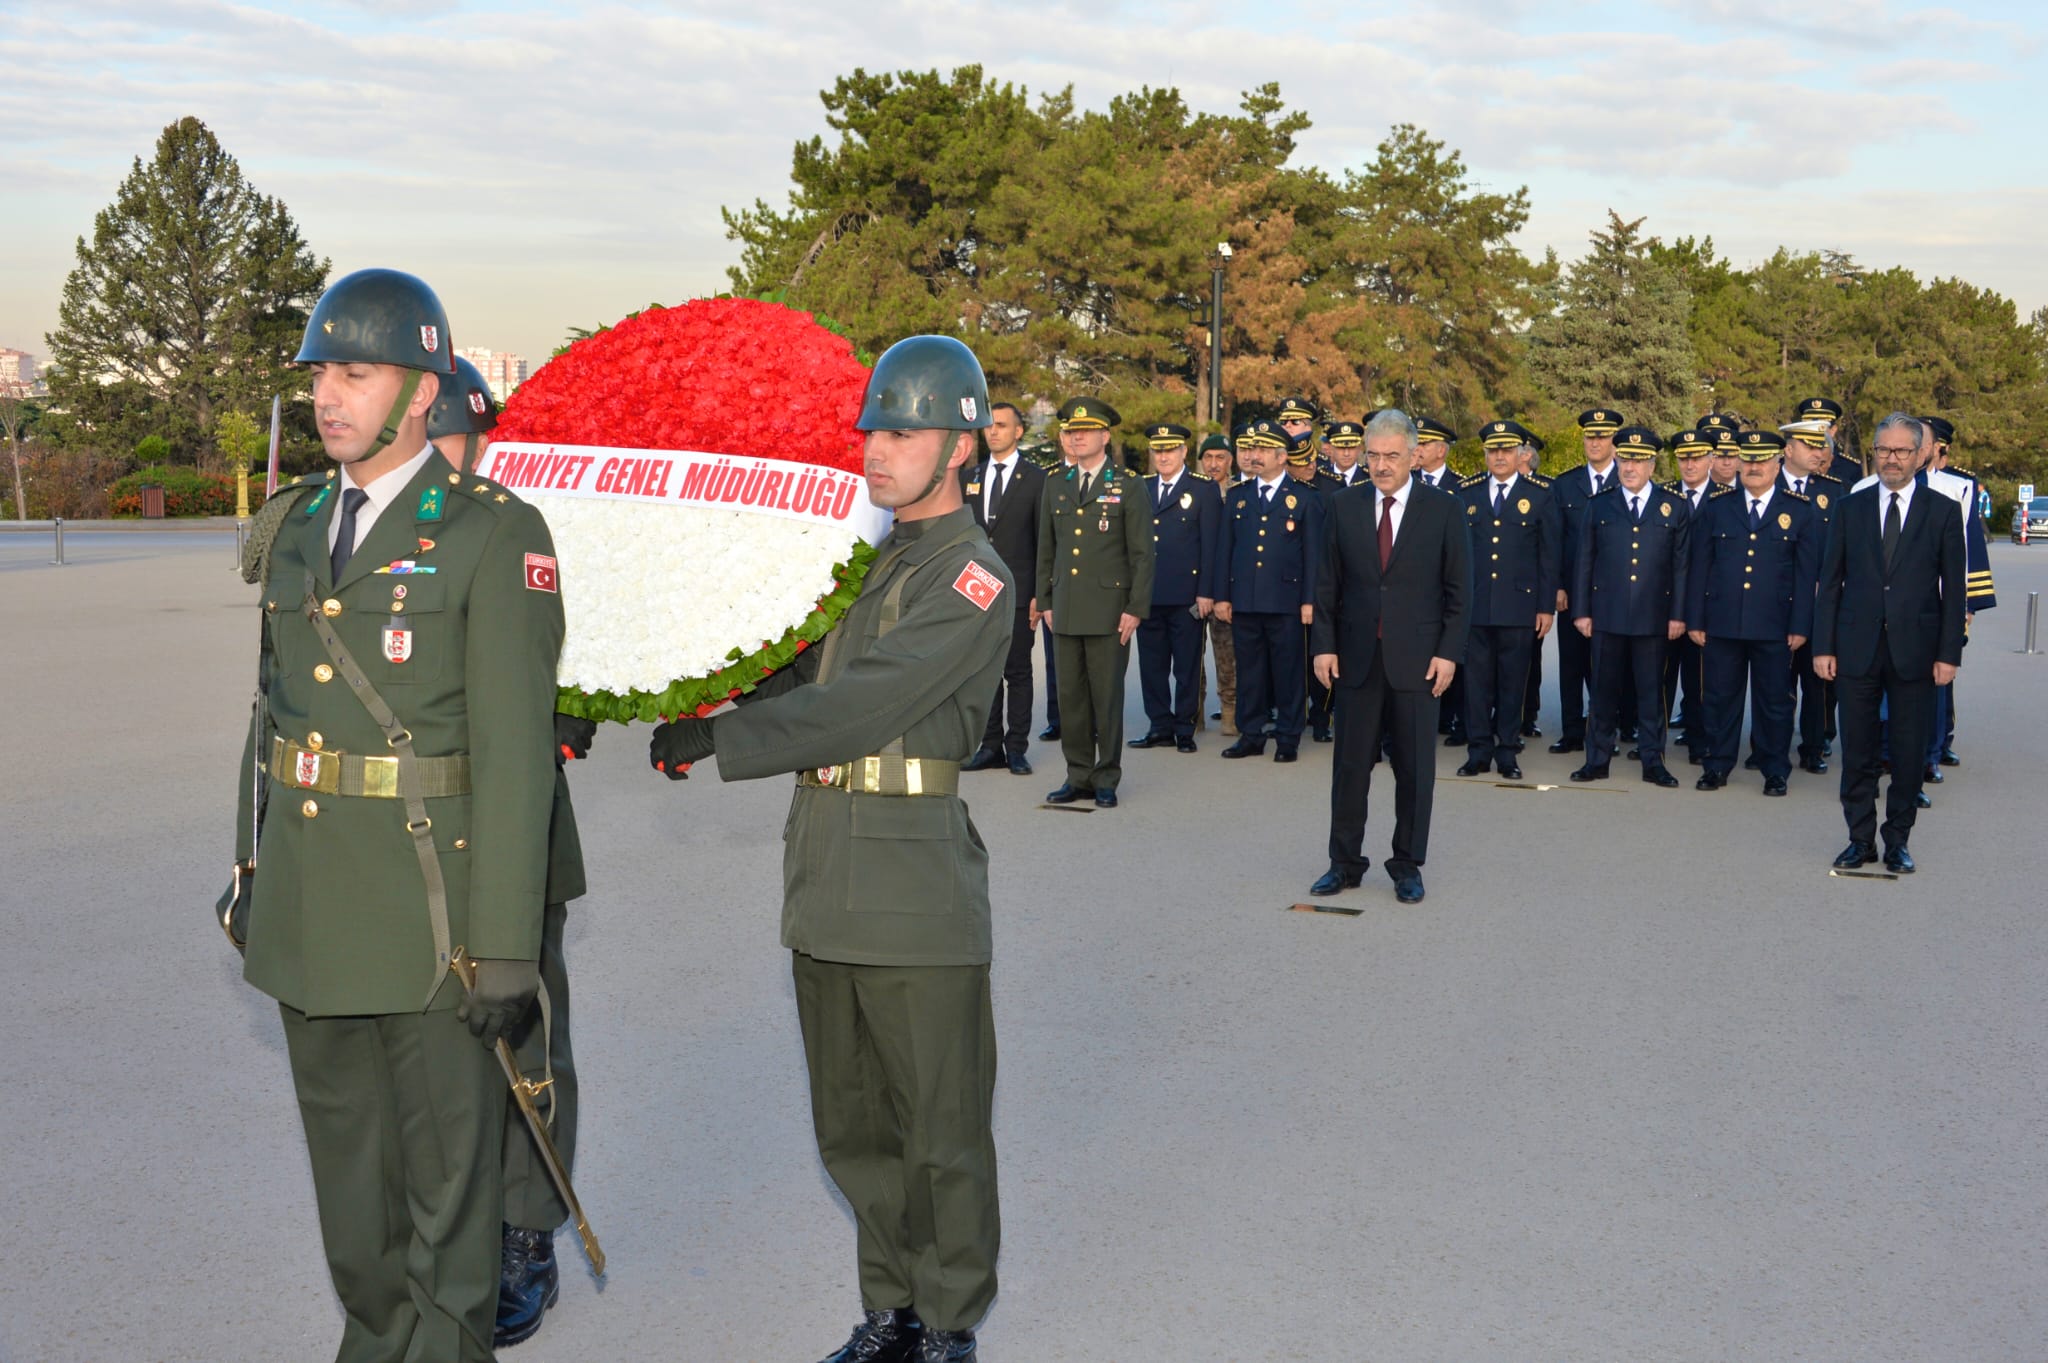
{"points": [[57, 526], [2033, 622]]}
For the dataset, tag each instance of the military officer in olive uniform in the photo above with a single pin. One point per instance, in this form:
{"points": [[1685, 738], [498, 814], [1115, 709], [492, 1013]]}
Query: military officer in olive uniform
{"points": [[412, 619], [885, 879], [1266, 562], [1219, 466], [1095, 568], [461, 418], [1749, 605], [1185, 512], [1513, 523], [1628, 586]]}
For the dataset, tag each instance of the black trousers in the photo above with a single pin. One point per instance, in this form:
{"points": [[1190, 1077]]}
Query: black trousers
{"points": [[1009, 717], [1366, 715], [1815, 699], [1685, 686], [1496, 665], [1271, 668], [1627, 666], [1169, 669], [1910, 704], [1532, 705], [1767, 666], [1574, 678], [1450, 707]]}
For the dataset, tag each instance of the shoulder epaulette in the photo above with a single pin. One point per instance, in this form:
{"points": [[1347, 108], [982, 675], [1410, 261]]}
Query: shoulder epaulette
{"points": [[1537, 479], [1474, 481], [1795, 496], [479, 489], [1962, 473], [1721, 490], [1829, 477], [269, 519], [1611, 487]]}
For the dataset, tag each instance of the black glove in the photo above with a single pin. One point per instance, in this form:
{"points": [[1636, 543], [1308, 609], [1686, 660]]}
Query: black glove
{"points": [[504, 991], [677, 744], [572, 737], [231, 910]]}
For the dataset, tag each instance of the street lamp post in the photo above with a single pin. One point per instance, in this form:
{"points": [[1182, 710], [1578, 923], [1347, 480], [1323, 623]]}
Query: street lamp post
{"points": [[1216, 334]]}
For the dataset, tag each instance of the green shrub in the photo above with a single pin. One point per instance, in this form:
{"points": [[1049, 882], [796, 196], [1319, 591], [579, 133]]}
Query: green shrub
{"points": [[187, 492]]}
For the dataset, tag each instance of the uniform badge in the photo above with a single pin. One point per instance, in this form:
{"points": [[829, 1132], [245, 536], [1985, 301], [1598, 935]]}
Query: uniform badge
{"points": [[425, 545], [307, 771], [320, 500], [974, 489], [1522, 505], [1290, 527], [1187, 500], [430, 505], [430, 339], [1820, 499], [978, 585], [398, 644], [476, 404], [540, 573], [398, 591], [1664, 509], [1784, 520], [1471, 510], [969, 409], [1103, 525], [1290, 505]]}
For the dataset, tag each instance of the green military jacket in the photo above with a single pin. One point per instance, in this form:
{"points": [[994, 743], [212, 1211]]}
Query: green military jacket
{"points": [[889, 879], [338, 920], [1094, 558]]}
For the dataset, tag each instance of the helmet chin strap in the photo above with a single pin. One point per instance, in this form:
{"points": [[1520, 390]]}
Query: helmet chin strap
{"points": [[938, 474], [396, 416], [469, 451]]}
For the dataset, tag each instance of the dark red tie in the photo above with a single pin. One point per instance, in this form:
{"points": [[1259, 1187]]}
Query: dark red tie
{"points": [[1386, 531]]}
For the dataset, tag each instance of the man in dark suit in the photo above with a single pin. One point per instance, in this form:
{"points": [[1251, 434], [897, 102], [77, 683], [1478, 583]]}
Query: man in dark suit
{"points": [[1574, 490], [1186, 512], [1749, 604], [1627, 590], [1888, 629], [1003, 492], [1389, 627], [1303, 468], [1265, 590], [1513, 525], [1684, 682]]}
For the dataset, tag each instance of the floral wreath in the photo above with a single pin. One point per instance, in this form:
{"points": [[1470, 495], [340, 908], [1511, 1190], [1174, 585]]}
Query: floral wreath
{"points": [[744, 378]]}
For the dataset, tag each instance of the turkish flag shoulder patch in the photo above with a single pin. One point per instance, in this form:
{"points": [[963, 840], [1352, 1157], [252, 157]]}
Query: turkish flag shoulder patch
{"points": [[978, 585], [540, 573]]}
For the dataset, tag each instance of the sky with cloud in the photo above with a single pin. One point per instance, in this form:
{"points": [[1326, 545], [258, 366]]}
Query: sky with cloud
{"points": [[547, 165]]}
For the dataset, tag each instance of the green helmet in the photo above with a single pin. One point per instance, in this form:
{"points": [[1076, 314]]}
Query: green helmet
{"points": [[926, 383], [379, 317], [465, 406]]}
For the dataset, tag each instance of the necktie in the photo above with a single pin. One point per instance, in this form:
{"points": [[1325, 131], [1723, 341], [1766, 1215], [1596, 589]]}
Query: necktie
{"points": [[995, 493], [1635, 509], [1500, 495], [1799, 486], [1756, 514], [1386, 531], [345, 534], [1087, 481], [1159, 497], [1891, 529], [1265, 494]]}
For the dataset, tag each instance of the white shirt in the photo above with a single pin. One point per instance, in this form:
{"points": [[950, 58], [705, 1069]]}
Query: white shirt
{"points": [[1760, 505], [1166, 487], [381, 491], [1268, 486], [1884, 503], [988, 481], [1597, 480], [1636, 501], [1350, 475], [1435, 479], [1695, 495], [1400, 496], [1496, 490]]}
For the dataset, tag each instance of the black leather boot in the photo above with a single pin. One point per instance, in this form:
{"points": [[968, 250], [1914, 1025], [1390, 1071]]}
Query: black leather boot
{"points": [[883, 1337], [947, 1346], [528, 1284]]}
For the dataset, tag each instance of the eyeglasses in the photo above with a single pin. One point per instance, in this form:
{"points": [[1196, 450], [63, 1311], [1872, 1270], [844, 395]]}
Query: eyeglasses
{"points": [[1895, 451]]}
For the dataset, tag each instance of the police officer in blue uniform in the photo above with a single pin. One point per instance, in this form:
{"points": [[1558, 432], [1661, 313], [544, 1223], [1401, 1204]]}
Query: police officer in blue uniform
{"points": [[1981, 595], [1515, 533], [1266, 560], [1187, 513], [1574, 490], [1805, 472], [1840, 467], [1749, 604], [1684, 682], [1296, 417], [1433, 441], [1628, 588], [1303, 468]]}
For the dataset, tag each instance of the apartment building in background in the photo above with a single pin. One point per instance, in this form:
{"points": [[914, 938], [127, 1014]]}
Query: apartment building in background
{"points": [[501, 369], [18, 369]]}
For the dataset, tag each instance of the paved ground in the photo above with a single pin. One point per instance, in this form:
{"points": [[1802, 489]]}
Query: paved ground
{"points": [[1639, 1082]]}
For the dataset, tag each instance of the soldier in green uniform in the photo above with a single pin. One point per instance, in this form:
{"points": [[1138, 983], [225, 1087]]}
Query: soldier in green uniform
{"points": [[1094, 585], [395, 797], [461, 418], [1219, 466], [885, 880]]}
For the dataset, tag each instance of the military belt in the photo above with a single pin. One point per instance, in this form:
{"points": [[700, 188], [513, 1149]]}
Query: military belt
{"points": [[887, 774], [333, 773]]}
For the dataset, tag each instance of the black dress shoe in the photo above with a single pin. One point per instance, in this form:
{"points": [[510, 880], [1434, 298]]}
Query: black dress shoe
{"points": [[1215, 714], [1898, 861], [1693, 759], [1285, 754], [983, 759], [1510, 772], [1335, 880], [1750, 763], [1020, 765], [1049, 734], [1184, 744], [1922, 800], [1478, 766], [1816, 765], [1150, 741], [1408, 888], [1658, 776], [946, 1346], [1589, 772], [1854, 855], [1932, 776], [528, 1284], [884, 1337], [1246, 747], [1711, 780], [1454, 740], [1068, 794], [1569, 745], [1105, 799], [1531, 731], [1634, 754], [1949, 758], [1320, 733], [1774, 785]]}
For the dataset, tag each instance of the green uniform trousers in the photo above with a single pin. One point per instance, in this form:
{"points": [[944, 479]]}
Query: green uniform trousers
{"points": [[902, 1062], [403, 1115], [531, 1201], [1092, 668]]}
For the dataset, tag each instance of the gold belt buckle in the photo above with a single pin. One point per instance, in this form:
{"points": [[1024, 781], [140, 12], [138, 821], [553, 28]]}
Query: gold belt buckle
{"points": [[871, 775], [913, 776], [306, 766], [828, 776], [380, 777]]}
